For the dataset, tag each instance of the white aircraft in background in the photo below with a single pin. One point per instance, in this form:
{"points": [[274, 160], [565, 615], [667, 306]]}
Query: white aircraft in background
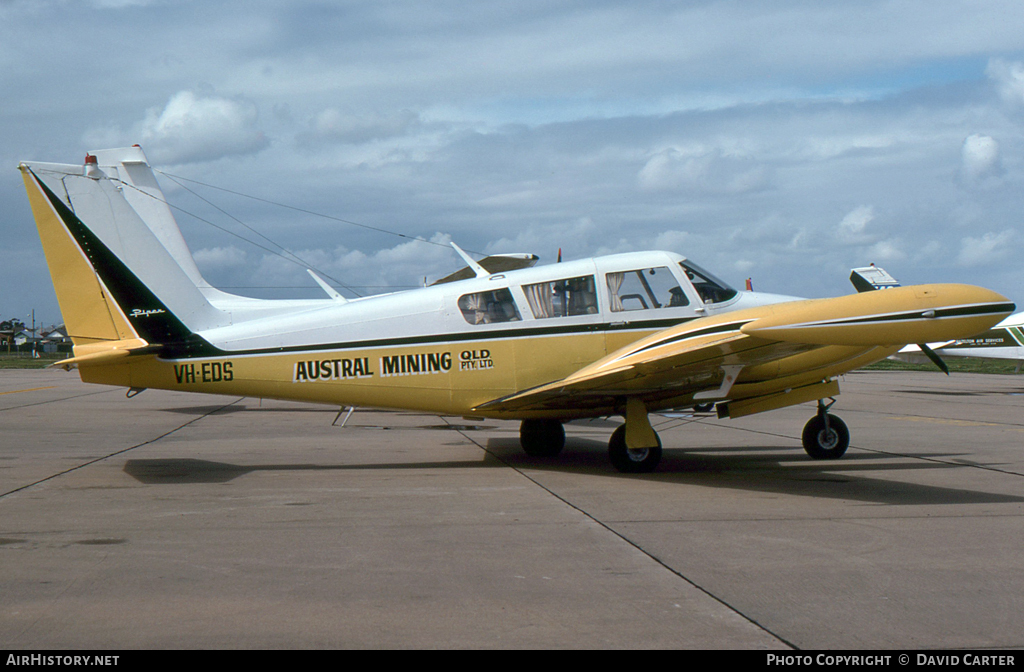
{"points": [[627, 334], [1003, 342]]}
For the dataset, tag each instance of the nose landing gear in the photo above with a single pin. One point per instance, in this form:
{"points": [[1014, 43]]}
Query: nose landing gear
{"points": [[825, 436]]}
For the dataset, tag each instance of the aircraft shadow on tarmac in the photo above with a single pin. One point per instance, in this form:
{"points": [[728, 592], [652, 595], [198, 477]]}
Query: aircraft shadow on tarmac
{"points": [[748, 468], [769, 469], [188, 470]]}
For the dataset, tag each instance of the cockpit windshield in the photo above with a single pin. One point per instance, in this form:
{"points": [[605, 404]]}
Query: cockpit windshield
{"points": [[710, 288]]}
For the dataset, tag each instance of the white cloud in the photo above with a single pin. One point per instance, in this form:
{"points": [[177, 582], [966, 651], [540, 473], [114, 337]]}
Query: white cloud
{"points": [[673, 241], [218, 258], [701, 170], [886, 250], [1009, 79], [332, 125], [192, 129], [401, 266], [852, 228], [924, 255], [576, 239], [980, 157], [989, 248]]}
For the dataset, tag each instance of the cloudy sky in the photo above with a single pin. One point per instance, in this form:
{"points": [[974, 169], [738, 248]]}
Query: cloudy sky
{"points": [[785, 141]]}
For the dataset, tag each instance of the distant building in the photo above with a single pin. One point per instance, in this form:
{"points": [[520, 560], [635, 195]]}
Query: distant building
{"points": [[8, 329], [55, 335], [55, 339]]}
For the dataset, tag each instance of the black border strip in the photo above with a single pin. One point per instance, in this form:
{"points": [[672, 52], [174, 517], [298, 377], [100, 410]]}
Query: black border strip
{"points": [[707, 331], [940, 313], [455, 337]]}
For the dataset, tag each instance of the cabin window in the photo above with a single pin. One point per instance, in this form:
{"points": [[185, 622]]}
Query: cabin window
{"points": [[489, 307], [644, 289], [710, 288], [562, 298]]}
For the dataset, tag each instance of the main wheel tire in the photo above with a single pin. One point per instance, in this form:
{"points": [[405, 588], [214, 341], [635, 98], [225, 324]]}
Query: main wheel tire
{"points": [[822, 444], [628, 461], [542, 438]]}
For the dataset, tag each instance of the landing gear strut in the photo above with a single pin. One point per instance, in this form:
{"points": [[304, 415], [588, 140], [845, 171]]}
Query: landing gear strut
{"points": [[632, 460], [635, 447], [542, 438], [825, 436]]}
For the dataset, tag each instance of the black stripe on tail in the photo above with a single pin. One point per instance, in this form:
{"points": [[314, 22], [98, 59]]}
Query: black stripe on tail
{"points": [[151, 319]]}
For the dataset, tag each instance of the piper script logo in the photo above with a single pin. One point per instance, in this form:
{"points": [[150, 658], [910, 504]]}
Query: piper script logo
{"points": [[139, 312]]}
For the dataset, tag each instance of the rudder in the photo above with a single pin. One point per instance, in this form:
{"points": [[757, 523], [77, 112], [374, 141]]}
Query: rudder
{"points": [[90, 315]]}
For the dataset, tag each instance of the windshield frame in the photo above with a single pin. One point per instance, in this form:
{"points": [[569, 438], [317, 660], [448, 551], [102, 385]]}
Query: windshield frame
{"points": [[713, 291]]}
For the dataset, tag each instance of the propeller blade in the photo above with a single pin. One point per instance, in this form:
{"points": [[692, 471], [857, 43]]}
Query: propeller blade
{"points": [[931, 354]]}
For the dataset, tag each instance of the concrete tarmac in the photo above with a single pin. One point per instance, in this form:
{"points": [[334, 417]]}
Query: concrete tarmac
{"points": [[187, 521]]}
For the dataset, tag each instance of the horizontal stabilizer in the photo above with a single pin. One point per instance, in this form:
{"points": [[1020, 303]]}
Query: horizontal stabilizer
{"points": [[106, 353]]}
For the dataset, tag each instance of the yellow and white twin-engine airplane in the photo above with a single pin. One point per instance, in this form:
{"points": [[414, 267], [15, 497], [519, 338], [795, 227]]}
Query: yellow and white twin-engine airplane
{"points": [[626, 334]]}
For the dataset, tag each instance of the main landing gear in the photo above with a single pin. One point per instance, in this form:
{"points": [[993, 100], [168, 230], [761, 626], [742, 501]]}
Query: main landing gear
{"points": [[546, 438], [542, 438], [633, 460], [825, 436]]}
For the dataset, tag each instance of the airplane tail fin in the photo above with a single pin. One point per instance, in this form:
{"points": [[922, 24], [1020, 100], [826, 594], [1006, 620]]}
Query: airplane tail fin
{"points": [[121, 270]]}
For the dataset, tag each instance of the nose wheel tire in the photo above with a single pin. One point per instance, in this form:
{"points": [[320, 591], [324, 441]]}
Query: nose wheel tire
{"points": [[826, 441], [635, 461]]}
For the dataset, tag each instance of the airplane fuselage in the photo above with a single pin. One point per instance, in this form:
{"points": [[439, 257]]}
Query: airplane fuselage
{"points": [[445, 348]]}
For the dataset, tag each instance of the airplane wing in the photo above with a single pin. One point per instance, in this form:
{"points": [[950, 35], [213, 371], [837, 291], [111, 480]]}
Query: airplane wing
{"points": [[690, 358], [496, 263], [762, 352]]}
